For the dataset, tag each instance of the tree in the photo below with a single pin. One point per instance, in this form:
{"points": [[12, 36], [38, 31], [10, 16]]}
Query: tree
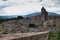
{"points": [[20, 17]]}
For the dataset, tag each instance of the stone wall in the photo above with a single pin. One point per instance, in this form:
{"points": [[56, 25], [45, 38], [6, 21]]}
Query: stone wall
{"points": [[43, 36], [42, 20], [22, 24], [35, 37], [25, 36]]}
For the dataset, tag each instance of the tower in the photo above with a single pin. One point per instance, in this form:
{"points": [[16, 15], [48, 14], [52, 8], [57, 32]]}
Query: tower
{"points": [[44, 14]]}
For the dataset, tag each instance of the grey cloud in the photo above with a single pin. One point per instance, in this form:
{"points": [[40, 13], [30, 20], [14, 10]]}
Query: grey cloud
{"points": [[6, 5], [1, 11], [4, 0], [56, 2], [40, 0]]}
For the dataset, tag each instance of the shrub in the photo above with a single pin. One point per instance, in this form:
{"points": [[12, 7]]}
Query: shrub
{"points": [[2, 30], [58, 37], [20, 17], [54, 35]]}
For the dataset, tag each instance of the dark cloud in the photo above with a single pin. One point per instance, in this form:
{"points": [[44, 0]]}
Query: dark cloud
{"points": [[4, 0]]}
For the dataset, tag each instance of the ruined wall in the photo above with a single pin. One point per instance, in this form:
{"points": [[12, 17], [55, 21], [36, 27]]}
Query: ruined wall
{"points": [[22, 24], [25, 36], [41, 21], [35, 37], [43, 36]]}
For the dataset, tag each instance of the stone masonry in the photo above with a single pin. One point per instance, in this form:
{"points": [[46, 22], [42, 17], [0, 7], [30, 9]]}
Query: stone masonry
{"points": [[43, 22], [26, 36]]}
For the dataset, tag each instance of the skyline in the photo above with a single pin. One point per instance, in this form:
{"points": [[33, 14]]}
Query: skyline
{"points": [[24, 7]]}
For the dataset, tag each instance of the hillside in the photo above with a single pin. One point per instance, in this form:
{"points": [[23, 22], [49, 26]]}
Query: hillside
{"points": [[38, 13]]}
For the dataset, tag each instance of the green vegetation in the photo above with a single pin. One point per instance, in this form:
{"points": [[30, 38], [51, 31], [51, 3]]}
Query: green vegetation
{"points": [[1, 30], [20, 17], [54, 35]]}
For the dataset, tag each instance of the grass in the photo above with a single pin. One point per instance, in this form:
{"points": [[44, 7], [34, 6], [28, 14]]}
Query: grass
{"points": [[54, 35], [1, 30]]}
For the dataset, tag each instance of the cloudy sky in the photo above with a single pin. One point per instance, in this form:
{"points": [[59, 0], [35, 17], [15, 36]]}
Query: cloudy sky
{"points": [[23, 7]]}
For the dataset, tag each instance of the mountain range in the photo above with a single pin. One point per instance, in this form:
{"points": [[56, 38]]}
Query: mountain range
{"points": [[29, 15], [39, 13]]}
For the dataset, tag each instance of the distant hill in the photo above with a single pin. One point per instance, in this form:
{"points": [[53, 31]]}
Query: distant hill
{"points": [[52, 14], [29, 15], [38, 13], [7, 17], [32, 14]]}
